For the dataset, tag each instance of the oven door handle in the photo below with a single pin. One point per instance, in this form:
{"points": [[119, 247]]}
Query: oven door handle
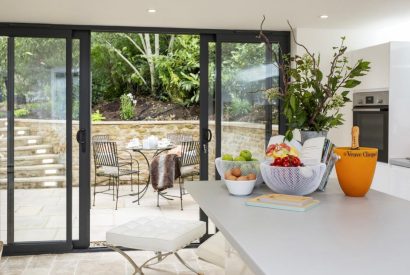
{"points": [[367, 109]]}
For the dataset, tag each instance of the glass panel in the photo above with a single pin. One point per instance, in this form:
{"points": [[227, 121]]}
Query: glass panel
{"points": [[75, 128], [3, 139], [244, 77], [40, 139], [142, 85], [211, 109], [211, 118]]}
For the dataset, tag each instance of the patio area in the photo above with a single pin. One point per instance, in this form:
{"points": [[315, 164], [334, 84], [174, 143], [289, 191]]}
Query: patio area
{"points": [[40, 213]]}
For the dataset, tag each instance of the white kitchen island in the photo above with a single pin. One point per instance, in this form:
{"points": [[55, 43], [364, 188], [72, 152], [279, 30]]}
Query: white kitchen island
{"points": [[342, 235]]}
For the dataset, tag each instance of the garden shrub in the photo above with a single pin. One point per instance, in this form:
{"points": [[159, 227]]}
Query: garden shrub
{"points": [[127, 107], [23, 112], [97, 116]]}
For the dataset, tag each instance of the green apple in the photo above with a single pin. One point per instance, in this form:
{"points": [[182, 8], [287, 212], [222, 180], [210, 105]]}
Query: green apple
{"points": [[240, 158], [246, 154], [228, 157]]}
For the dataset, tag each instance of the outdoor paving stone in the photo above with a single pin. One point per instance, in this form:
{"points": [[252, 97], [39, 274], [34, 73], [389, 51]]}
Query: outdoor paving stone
{"points": [[33, 234], [31, 210], [56, 221], [30, 222]]}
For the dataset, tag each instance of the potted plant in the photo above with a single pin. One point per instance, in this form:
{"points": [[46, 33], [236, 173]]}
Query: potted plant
{"points": [[312, 99]]}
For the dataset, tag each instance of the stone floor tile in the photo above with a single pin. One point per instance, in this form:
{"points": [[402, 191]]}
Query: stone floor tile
{"points": [[41, 261], [36, 271], [100, 267]]}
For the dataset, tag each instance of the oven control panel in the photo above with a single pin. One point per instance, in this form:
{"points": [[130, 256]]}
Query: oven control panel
{"points": [[371, 98]]}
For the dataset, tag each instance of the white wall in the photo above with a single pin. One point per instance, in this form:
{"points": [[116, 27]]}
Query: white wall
{"points": [[322, 40]]}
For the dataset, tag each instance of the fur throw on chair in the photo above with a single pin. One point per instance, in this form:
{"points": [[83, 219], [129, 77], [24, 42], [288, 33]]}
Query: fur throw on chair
{"points": [[164, 170]]}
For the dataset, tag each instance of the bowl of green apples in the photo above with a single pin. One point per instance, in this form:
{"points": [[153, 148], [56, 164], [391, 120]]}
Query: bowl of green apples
{"points": [[240, 167]]}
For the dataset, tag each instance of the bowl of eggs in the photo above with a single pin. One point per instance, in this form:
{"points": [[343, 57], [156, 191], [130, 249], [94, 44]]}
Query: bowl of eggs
{"points": [[240, 177]]}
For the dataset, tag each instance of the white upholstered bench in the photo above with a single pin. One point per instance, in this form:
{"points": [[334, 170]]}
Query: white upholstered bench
{"points": [[159, 234]]}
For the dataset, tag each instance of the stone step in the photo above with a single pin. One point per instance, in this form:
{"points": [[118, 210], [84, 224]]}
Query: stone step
{"points": [[47, 180], [29, 148], [35, 167], [37, 159], [22, 140], [18, 130]]}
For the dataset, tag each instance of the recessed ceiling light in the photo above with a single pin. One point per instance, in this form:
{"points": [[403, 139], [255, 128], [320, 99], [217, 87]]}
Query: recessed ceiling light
{"points": [[324, 16], [152, 10]]}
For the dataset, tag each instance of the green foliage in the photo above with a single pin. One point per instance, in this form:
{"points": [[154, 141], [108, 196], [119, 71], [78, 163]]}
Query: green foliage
{"points": [[18, 113], [110, 77], [122, 64], [127, 107], [97, 116], [178, 71], [241, 80], [311, 101], [239, 107]]}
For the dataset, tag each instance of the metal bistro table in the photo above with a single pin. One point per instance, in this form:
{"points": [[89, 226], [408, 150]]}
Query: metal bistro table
{"points": [[144, 152]]}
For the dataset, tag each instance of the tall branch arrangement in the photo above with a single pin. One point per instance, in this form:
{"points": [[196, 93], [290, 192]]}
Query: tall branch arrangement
{"points": [[312, 100]]}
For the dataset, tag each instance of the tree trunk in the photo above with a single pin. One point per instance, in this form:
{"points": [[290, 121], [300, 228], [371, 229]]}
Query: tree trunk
{"points": [[171, 44], [150, 59]]}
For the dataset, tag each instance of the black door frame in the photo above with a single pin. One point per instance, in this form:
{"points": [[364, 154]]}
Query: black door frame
{"points": [[12, 32], [281, 38], [83, 32]]}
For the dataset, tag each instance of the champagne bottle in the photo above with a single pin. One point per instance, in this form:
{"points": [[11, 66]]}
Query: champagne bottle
{"points": [[355, 137]]}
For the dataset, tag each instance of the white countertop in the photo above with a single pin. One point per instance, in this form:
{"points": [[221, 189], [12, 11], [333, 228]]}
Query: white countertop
{"points": [[342, 235]]}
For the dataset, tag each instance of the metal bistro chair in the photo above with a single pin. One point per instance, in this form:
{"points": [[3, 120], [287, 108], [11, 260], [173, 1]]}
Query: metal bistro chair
{"points": [[178, 138], [99, 138], [188, 163], [109, 164]]}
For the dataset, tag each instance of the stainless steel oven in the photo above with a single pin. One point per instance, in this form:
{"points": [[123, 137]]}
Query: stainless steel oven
{"points": [[371, 114]]}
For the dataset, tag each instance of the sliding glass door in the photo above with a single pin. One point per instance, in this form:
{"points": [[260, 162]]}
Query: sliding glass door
{"points": [[3, 139], [40, 107], [239, 69], [236, 71]]}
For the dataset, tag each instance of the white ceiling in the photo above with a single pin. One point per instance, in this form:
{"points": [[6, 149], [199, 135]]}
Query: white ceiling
{"points": [[209, 14]]}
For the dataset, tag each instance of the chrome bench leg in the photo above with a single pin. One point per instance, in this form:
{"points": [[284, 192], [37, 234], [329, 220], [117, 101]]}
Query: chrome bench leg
{"points": [[186, 265], [137, 269], [159, 256]]}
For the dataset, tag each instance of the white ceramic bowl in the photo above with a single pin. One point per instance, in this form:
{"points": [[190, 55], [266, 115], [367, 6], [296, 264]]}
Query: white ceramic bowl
{"points": [[246, 166], [240, 187], [293, 180]]}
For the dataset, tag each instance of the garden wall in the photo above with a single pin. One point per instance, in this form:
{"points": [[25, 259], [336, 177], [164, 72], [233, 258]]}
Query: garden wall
{"points": [[236, 136]]}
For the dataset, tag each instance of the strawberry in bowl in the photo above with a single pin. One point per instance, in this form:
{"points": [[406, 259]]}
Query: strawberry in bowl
{"points": [[287, 161]]}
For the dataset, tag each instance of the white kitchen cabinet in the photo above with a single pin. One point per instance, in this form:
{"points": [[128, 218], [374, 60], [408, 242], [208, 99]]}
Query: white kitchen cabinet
{"points": [[381, 178], [393, 180]]}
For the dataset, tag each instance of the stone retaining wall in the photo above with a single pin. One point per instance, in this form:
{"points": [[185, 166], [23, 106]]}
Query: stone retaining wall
{"points": [[235, 136]]}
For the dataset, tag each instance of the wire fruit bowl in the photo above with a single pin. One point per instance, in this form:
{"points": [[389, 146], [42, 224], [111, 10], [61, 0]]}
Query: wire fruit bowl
{"points": [[292, 180]]}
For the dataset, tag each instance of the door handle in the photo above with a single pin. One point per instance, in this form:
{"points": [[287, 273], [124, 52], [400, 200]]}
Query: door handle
{"points": [[207, 135], [81, 139]]}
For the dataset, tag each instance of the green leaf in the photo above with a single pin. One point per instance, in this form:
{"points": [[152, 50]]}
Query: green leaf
{"points": [[289, 135], [293, 102], [345, 93], [351, 83]]}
